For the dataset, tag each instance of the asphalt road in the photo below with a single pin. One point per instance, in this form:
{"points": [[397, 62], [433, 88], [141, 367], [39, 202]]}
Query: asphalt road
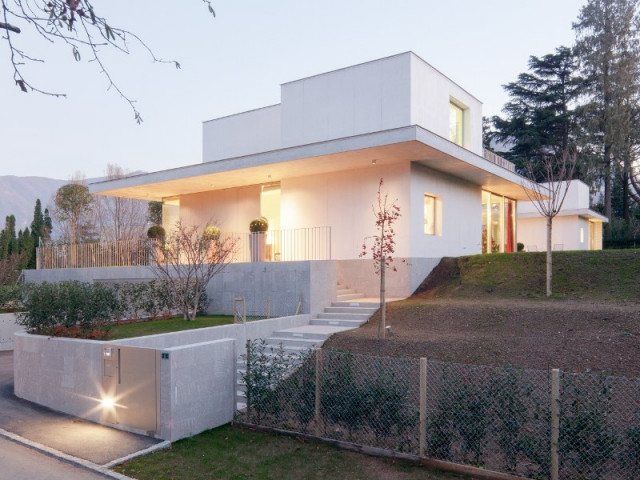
{"points": [[22, 463], [67, 434]]}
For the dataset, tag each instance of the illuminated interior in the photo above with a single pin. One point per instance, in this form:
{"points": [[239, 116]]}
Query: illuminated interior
{"points": [[498, 223], [270, 209], [456, 124]]}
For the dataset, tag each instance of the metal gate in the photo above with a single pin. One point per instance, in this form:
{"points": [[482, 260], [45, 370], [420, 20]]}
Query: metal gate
{"points": [[131, 389]]}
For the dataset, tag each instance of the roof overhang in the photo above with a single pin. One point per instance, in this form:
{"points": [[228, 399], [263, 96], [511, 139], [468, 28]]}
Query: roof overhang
{"points": [[388, 147], [585, 213]]}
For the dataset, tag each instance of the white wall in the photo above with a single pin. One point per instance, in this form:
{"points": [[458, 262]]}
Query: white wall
{"points": [[344, 200], [431, 92], [565, 233], [197, 388], [241, 134], [8, 327], [231, 209], [577, 198], [461, 207], [364, 98]]}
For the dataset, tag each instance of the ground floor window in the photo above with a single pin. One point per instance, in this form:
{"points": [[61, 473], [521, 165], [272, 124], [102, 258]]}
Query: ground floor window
{"points": [[498, 223], [432, 214]]}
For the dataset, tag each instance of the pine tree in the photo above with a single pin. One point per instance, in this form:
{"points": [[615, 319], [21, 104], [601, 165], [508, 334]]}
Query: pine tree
{"points": [[609, 49], [540, 117]]}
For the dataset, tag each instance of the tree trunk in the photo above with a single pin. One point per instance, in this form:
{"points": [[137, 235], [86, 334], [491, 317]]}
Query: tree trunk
{"points": [[383, 303], [549, 261]]}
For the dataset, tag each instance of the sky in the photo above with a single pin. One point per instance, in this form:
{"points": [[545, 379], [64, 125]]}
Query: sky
{"points": [[237, 61]]}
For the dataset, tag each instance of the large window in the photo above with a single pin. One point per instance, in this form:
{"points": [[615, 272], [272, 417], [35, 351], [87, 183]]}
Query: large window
{"points": [[498, 223], [456, 124]]}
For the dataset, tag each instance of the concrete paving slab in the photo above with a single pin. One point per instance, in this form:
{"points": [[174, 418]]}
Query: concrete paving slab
{"points": [[71, 435]]}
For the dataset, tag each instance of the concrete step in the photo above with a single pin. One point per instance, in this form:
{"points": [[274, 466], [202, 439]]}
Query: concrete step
{"points": [[344, 316], [288, 342], [338, 322], [345, 291], [348, 296], [365, 310], [355, 303], [318, 332]]}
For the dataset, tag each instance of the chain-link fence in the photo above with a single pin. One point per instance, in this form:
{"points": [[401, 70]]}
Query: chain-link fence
{"points": [[502, 419]]}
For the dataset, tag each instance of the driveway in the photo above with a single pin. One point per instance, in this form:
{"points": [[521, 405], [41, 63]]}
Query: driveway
{"points": [[73, 436]]}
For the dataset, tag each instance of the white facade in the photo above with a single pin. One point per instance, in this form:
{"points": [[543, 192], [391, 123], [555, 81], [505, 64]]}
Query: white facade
{"points": [[576, 227], [384, 94], [315, 159]]}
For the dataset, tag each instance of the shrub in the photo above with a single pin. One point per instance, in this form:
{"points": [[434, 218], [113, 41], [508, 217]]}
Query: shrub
{"points": [[260, 224], [56, 309], [11, 296], [156, 232]]}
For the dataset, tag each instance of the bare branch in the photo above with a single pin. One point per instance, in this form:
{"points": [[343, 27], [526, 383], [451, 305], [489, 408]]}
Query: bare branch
{"points": [[188, 260], [548, 196], [6, 26], [57, 21]]}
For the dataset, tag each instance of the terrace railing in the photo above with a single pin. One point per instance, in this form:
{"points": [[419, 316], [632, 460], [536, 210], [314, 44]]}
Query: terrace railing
{"points": [[498, 160], [278, 245]]}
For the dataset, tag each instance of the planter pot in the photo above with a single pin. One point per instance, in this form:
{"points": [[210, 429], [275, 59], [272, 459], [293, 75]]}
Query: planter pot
{"points": [[257, 243]]}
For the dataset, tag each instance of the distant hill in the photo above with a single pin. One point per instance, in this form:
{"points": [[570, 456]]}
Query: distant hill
{"points": [[18, 196]]}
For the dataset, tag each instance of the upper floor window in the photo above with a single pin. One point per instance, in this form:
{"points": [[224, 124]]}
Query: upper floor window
{"points": [[456, 124]]}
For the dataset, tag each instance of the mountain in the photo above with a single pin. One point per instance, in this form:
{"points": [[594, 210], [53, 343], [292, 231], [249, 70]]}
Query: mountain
{"points": [[18, 196]]}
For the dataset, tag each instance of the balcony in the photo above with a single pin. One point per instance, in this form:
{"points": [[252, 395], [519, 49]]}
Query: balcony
{"points": [[298, 244]]}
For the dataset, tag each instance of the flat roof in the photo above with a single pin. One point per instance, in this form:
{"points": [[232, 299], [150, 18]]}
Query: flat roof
{"points": [[394, 146]]}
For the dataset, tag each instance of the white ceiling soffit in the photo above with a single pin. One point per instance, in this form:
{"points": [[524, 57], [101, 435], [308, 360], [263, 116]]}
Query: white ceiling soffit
{"points": [[407, 144]]}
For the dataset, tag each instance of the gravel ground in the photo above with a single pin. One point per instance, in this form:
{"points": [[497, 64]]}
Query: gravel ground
{"points": [[541, 334]]}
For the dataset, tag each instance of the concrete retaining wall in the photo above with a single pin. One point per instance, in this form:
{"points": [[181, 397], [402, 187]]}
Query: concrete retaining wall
{"points": [[282, 283], [197, 382], [64, 374], [197, 388], [8, 327]]}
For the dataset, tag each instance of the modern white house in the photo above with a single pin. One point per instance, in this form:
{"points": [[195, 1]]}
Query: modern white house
{"points": [[312, 164], [576, 227]]}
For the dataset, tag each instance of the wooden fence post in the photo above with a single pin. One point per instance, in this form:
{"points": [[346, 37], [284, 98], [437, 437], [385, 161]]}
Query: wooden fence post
{"points": [[318, 405], [555, 423], [423, 406]]}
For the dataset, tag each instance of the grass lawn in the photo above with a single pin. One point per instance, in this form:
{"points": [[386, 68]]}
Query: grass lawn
{"points": [[164, 325], [234, 452]]}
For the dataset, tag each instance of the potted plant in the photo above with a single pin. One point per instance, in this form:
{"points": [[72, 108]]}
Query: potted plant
{"points": [[258, 239], [156, 235], [210, 236], [212, 232], [156, 232]]}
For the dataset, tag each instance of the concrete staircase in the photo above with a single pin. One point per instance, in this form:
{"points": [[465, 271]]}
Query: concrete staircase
{"points": [[348, 311]]}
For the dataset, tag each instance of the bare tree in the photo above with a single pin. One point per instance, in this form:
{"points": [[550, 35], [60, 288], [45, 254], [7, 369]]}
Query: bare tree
{"points": [[120, 219], [75, 24], [548, 196], [187, 260], [383, 247]]}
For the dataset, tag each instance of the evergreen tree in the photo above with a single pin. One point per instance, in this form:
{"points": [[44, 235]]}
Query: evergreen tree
{"points": [[48, 225], [609, 50], [8, 241], [37, 231], [540, 117]]}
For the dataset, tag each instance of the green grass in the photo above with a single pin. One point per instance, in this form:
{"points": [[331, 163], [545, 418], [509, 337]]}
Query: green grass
{"points": [[165, 325], [607, 275], [233, 452]]}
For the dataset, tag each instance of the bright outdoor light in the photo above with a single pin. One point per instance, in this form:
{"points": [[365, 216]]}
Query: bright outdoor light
{"points": [[108, 402]]}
